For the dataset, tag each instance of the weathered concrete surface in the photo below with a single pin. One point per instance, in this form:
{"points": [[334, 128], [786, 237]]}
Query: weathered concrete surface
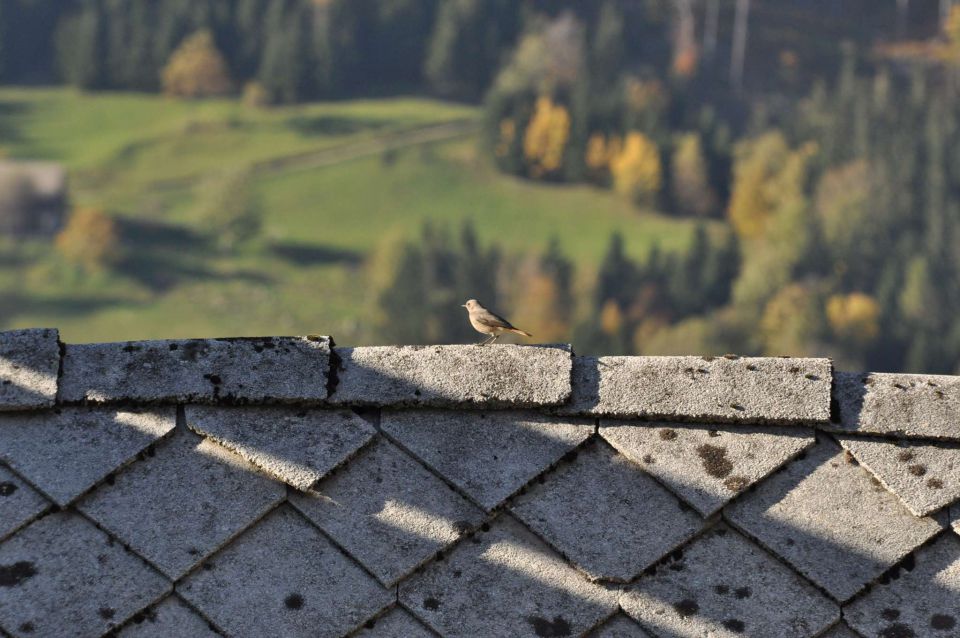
{"points": [[488, 455], [297, 446], [182, 504], [898, 404], [707, 466], [831, 520], [284, 578], [169, 618], [454, 376], [396, 623], [388, 511], [63, 577], [505, 582], [923, 600], [715, 389], [925, 477], [606, 515], [724, 586], [65, 452], [19, 503], [619, 627], [237, 370], [29, 362], [840, 630]]}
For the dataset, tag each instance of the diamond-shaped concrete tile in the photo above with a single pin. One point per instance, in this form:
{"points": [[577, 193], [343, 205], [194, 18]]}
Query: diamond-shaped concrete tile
{"points": [[505, 582], [725, 586], [923, 601], [65, 452], [388, 511], [184, 503], [169, 618], [620, 626], [706, 466], [284, 578], [489, 455], [298, 446], [19, 503], [833, 521], [29, 361], [840, 630], [926, 477], [604, 514], [396, 623], [61, 576]]}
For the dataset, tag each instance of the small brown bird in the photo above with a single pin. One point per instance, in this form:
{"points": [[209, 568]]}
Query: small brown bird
{"points": [[488, 323]]}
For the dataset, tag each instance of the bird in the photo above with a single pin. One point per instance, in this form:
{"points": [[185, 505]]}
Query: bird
{"points": [[488, 323]]}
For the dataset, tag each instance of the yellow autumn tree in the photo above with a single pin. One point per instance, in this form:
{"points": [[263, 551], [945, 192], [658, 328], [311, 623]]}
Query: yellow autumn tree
{"points": [[691, 181], [196, 69], [546, 137], [792, 322], [599, 152], [636, 169], [854, 317], [90, 239], [768, 176]]}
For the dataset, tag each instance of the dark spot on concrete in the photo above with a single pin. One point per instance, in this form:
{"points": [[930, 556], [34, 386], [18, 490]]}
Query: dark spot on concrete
{"points": [[939, 394], [293, 601], [752, 368], [908, 562], [370, 624], [7, 382], [721, 590], [549, 629], [721, 531], [686, 607], [193, 551], [737, 407], [703, 371], [850, 458], [890, 614], [715, 460], [900, 386], [735, 625], [13, 575], [647, 458], [110, 479], [131, 348], [417, 393], [794, 369], [905, 456], [676, 554], [812, 377], [917, 470], [208, 566], [731, 357], [713, 433], [213, 378], [27, 627], [736, 483], [7, 488], [569, 457], [943, 622], [935, 484], [174, 346], [790, 542], [676, 567], [431, 603], [897, 630], [668, 435], [708, 359], [106, 613], [457, 573], [485, 527], [742, 592]]}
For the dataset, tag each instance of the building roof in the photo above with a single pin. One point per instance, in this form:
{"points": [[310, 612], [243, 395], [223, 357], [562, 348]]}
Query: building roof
{"points": [[286, 487]]}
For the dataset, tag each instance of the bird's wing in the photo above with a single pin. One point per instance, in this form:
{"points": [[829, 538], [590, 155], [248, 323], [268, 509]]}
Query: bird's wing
{"points": [[487, 318]]}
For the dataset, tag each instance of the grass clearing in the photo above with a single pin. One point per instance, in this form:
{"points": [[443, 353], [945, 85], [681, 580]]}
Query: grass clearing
{"points": [[123, 150]]}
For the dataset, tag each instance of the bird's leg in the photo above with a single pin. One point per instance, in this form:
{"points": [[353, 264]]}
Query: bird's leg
{"points": [[495, 337], [487, 340]]}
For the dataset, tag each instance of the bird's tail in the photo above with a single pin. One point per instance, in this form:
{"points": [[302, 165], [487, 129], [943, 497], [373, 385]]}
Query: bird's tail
{"points": [[520, 332]]}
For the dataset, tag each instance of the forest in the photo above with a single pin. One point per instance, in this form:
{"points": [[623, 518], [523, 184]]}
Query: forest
{"points": [[813, 145]]}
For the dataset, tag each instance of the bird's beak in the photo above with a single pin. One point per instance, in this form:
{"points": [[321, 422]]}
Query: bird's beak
{"points": [[463, 305]]}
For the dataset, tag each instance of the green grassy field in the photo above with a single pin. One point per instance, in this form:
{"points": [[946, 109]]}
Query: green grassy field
{"points": [[142, 158]]}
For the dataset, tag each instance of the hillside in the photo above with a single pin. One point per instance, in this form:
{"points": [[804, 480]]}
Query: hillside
{"points": [[322, 184]]}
